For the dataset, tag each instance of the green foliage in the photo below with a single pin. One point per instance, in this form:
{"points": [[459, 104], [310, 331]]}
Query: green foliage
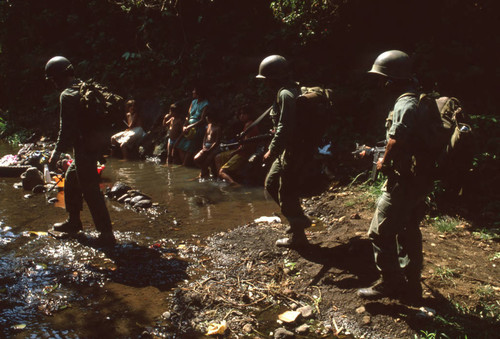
{"points": [[445, 224], [308, 19], [487, 234], [432, 335]]}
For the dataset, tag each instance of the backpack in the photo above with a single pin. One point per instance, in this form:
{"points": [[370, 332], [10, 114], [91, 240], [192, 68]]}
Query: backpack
{"points": [[103, 110], [444, 136], [314, 107]]}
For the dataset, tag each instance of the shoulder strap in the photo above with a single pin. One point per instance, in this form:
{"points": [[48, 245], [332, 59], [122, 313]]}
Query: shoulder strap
{"points": [[411, 94], [256, 121]]}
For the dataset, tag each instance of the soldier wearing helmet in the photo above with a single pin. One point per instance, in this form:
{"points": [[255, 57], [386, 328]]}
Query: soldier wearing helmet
{"points": [[282, 177], [76, 131], [394, 229]]}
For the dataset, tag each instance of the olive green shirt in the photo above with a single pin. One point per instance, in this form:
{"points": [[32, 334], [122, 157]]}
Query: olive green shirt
{"points": [[284, 117], [70, 108], [402, 127]]}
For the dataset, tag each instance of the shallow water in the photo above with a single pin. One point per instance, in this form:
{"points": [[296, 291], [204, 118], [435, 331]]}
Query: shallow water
{"points": [[71, 288]]}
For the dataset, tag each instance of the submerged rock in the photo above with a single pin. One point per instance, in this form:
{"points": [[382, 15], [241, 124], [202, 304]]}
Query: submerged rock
{"points": [[31, 178], [145, 203], [118, 190]]}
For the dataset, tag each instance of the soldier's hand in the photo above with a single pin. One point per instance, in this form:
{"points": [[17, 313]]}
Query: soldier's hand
{"points": [[380, 164], [267, 155]]}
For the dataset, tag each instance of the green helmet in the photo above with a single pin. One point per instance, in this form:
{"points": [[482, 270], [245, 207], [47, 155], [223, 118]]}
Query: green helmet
{"points": [[57, 67], [273, 67], [393, 64]]}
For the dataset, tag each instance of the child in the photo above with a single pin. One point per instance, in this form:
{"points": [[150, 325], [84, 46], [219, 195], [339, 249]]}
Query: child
{"points": [[234, 161], [130, 139], [175, 122], [205, 158]]}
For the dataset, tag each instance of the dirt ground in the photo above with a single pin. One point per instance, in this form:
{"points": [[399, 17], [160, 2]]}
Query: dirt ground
{"points": [[245, 282]]}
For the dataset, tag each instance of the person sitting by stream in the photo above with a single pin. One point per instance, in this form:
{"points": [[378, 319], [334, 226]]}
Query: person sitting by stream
{"points": [[129, 140], [174, 120], [204, 159], [194, 129], [234, 161]]}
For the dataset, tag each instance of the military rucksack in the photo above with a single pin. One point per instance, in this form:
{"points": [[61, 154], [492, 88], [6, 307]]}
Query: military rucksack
{"points": [[444, 135], [315, 113], [103, 110]]}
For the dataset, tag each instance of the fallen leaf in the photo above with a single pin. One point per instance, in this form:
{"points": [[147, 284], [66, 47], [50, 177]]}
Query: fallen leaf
{"points": [[289, 316], [214, 329]]}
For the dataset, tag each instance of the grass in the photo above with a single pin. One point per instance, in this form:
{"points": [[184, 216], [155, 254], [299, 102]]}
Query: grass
{"points": [[445, 274], [445, 224], [487, 234]]}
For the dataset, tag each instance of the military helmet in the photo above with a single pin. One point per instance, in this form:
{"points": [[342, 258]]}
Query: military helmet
{"points": [[57, 67], [393, 64], [273, 67]]}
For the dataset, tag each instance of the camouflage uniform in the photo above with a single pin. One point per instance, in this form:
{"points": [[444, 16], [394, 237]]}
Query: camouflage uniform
{"points": [[77, 131], [394, 230], [281, 181]]}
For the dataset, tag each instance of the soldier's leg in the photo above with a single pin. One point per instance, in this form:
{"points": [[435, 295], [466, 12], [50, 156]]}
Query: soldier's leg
{"points": [[383, 232], [411, 256], [289, 199], [73, 201], [291, 208], [272, 182], [86, 169]]}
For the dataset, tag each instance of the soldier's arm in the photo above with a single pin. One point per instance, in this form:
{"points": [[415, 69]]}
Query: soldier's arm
{"points": [[286, 123], [67, 123]]}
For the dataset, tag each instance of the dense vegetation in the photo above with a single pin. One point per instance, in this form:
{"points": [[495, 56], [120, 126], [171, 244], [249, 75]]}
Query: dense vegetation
{"points": [[158, 49]]}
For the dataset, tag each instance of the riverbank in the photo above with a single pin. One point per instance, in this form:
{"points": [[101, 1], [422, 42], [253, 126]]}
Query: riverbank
{"points": [[246, 282]]}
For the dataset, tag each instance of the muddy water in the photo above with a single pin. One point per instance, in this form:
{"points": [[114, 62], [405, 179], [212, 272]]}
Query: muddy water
{"points": [[72, 288]]}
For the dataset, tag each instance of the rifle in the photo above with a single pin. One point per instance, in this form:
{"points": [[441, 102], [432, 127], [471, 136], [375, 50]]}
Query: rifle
{"points": [[376, 151], [248, 140]]}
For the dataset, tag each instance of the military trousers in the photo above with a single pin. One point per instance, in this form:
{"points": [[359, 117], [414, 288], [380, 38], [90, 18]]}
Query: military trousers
{"points": [[282, 184], [395, 231], [82, 182]]}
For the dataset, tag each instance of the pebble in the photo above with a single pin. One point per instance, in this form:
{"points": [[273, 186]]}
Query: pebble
{"points": [[306, 311], [282, 333], [355, 216], [248, 328], [360, 310], [367, 319], [302, 329]]}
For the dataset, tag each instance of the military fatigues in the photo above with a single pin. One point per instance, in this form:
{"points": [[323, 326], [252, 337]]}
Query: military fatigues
{"points": [[394, 230], [77, 131], [281, 181]]}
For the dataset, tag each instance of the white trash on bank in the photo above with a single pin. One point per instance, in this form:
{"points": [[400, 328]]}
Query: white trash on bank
{"points": [[268, 219]]}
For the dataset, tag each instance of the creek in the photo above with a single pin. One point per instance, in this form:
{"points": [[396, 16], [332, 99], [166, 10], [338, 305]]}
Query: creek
{"points": [[68, 288]]}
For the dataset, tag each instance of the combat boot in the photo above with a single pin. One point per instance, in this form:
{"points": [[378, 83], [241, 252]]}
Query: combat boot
{"points": [[412, 294], [106, 239], [70, 226], [297, 240], [381, 289], [299, 225]]}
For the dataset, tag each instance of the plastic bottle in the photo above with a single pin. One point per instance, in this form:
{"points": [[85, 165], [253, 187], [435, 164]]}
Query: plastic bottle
{"points": [[46, 174]]}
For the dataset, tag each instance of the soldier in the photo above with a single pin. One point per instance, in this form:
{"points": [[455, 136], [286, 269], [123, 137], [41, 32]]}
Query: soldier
{"points": [[77, 131], [281, 181], [394, 230]]}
